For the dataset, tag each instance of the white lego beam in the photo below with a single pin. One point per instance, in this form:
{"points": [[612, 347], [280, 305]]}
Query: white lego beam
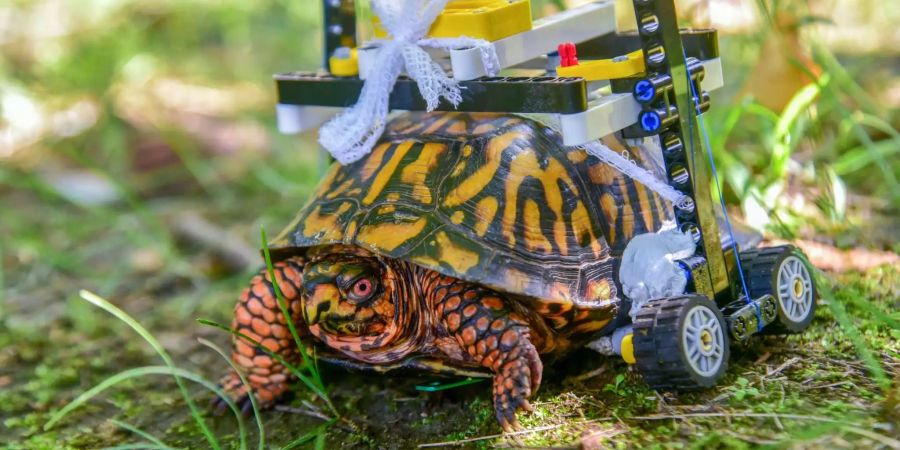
{"points": [[613, 112], [295, 119], [573, 25]]}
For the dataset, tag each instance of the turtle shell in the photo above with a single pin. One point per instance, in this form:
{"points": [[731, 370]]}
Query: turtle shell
{"points": [[493, 199]]}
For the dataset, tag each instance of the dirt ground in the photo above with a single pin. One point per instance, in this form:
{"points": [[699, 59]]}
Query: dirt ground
{"points": [[139, 161], [832, 387]]}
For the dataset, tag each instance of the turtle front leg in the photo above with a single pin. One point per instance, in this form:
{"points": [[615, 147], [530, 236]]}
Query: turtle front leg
{"points": [[258, 316], [496, 337]]}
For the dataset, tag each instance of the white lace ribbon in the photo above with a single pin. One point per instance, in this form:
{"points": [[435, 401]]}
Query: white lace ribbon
{"points": [[636, 172], [351, 134]]}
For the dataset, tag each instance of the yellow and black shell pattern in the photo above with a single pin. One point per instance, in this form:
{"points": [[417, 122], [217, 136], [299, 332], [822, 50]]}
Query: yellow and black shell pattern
{"points": [[493, 199]]}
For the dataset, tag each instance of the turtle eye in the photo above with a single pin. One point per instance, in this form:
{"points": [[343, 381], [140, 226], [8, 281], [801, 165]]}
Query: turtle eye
{"points": [[361, 290]]}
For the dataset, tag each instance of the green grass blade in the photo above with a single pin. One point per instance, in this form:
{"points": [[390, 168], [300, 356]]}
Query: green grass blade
{"points": [[720, 138], [846, 81], [785, 140], [307, 363], [138, 372], [2, 291], [320, 440], [859, 157], [877, 123], [259, 423], [764, 11], [294, 369], [758, 110], [144, 446], [143, 333], [846, 84], [843, 318], [308, 437], [149, 437], [883, 165], [282, 304]]}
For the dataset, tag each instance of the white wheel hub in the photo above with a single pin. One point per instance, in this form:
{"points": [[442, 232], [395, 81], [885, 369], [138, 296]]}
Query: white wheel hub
{"points": [[795, 289], [704, 340]]}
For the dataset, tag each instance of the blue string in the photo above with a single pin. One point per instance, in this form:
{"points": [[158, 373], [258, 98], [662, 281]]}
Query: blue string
{"points": [[715, 174]]}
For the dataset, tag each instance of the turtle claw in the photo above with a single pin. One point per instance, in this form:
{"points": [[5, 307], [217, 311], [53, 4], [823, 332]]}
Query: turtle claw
{"points": [[237, 392], [506, 416], [527, 406], [243, 404], [218, 405], [509, 422], [511, 391]]}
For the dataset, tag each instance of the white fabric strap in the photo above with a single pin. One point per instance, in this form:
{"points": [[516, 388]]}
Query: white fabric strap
{"points": [[353, 133], [631, 169]]}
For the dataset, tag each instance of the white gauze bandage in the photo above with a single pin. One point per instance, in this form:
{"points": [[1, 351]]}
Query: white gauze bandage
{"points": [[352, 134], [636, 172]]}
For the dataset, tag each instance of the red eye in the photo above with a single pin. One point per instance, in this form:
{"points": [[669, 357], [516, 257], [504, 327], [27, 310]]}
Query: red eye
{"points": [[362, 288]]}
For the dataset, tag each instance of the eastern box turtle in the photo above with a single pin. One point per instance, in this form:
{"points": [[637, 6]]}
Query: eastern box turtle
{"points": [[463, 243]]}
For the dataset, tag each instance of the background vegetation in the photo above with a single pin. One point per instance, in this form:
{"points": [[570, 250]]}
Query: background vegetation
{"points": [[138, 160]]}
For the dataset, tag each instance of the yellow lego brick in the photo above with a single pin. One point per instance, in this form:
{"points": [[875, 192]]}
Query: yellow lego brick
{"points": [[626, 66], [490, 20], [346, 65], [628, 349]]}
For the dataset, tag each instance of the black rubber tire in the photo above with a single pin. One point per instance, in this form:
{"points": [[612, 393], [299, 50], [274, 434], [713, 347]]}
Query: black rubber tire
{"points": [[760, 267], [659, 349]]}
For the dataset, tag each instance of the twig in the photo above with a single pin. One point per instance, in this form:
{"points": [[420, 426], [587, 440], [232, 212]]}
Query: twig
{"points": [[778, 423], [763, 358], [492, 436], [653, 417], [781, 398], [826, 386], [234, 252], [890, 442], [587, 375], [304, 411], [750, 439], [783, 366], [730, 415]]}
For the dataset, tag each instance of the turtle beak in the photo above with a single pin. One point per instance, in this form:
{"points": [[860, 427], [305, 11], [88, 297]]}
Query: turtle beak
{"points": [[319, 301]]}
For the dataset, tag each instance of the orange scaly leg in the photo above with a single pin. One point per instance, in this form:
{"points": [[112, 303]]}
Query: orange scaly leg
{"points": [[495, 337], [258, 316]]}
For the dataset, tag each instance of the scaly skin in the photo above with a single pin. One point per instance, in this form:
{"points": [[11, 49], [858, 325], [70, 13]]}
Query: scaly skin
{"points": [[381, 311], [258, 316], [493, 336]]}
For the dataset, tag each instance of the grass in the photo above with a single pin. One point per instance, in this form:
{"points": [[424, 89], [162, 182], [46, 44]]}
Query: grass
{"points": [[824, 168], [170, 365], [308, 373], [179, 375], [811, 390]]}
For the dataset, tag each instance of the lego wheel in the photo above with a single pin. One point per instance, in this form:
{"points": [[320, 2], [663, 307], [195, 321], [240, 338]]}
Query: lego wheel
{"points": [[783, 273], [681, 343]]}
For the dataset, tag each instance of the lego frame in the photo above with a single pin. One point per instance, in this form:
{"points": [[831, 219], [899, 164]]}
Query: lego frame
{"points": [[666, 101]]}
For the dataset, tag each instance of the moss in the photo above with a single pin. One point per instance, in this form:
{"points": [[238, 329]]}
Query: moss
{"points": [[53, 347]]}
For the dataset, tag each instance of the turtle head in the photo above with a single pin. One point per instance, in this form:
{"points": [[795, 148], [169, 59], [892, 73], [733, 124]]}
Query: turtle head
{"points": [[345, 295], [352, 303]]}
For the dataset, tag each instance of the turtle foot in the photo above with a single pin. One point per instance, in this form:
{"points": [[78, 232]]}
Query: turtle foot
{"points": [[514, 383], [239, 393]]}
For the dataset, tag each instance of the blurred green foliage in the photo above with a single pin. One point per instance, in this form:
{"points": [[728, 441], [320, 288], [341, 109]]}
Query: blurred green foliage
{"points": [[165, 107], [836, 134]]}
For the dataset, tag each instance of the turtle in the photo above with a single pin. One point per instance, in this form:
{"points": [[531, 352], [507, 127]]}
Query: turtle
{"points": [[464, 243]]}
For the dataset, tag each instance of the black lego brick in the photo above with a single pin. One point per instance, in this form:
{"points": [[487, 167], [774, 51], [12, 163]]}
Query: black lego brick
{"points": [[497, 94], [339, 26], [701, 44]]}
